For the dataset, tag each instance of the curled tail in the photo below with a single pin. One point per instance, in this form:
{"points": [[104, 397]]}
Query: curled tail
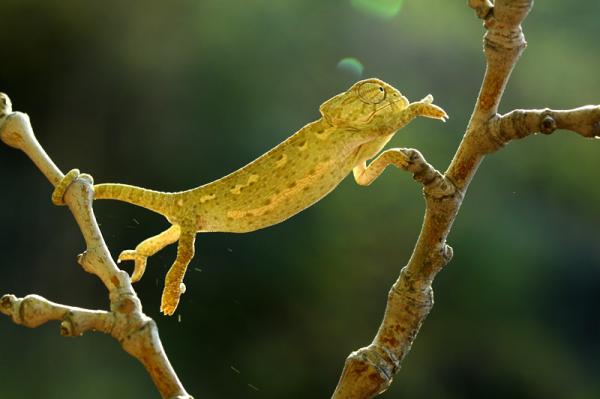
{"points": [[157, 201]]}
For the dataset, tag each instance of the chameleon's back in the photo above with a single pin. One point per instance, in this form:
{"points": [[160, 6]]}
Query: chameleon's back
{"points": [[292, 176], [279, 184]]}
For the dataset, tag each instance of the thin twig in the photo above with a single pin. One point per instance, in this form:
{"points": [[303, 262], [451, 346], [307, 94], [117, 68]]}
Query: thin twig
{"points": [[520, 123]]}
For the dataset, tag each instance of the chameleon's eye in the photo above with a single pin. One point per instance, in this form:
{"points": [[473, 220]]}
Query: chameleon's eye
{"points": [[371, 93]]}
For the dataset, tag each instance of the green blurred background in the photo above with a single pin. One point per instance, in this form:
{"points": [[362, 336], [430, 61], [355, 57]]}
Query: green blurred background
{"points": [[173, 94]]}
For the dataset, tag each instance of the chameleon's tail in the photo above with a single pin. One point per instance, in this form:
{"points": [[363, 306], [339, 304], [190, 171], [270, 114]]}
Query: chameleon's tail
{"points": [[157, 201]]}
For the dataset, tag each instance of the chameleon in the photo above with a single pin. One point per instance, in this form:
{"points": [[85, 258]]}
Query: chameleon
{"points": [[353, 128]]}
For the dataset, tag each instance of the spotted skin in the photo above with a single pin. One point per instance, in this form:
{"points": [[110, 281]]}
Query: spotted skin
{"points": [[353, 128]]}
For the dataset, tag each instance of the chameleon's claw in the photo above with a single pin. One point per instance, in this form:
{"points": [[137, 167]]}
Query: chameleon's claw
{"points": [[438, 113], [139, 265]]}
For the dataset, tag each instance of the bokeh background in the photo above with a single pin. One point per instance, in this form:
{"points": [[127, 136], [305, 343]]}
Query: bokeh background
{"points": [[170, 95]]}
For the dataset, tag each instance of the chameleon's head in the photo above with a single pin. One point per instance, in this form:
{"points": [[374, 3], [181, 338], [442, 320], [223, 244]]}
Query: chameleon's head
{"points": [[368, 102]]}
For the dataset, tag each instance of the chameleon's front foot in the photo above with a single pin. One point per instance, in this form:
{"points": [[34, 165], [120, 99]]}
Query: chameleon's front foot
{"points": [[140, 261], [426, 108]]}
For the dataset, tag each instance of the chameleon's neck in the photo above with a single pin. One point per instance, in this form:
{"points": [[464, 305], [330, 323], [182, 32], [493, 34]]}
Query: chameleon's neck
{"points": [[157, 201]]}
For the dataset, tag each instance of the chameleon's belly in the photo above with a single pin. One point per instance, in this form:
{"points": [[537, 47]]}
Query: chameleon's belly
{"points": [[288, 179]]}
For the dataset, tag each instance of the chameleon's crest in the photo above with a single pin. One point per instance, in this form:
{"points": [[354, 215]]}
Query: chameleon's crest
{"points": [[356, 107]]}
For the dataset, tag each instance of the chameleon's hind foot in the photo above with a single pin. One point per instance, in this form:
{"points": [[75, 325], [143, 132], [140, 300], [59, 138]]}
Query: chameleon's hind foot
{"points": [[147, 248], [139, 263], [174, 286], [170, 298]]}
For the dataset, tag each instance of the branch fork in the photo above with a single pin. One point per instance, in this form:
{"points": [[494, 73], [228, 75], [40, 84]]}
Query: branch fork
{"points": [[126, 322], [369, 371]]}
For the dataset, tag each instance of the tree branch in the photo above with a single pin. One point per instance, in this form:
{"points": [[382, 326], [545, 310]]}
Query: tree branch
{"points": [[370, 370], [34, 310], [520, 123], [136, 332]]}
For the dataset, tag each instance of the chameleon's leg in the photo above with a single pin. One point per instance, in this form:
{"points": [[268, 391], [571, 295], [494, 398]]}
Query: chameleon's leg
{"points": [[147, 248], [174, 286], [399, 157]]}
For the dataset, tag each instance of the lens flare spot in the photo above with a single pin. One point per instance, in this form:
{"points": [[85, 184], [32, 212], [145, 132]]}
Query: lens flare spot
{"points": [[352, 66], [386, 9]]}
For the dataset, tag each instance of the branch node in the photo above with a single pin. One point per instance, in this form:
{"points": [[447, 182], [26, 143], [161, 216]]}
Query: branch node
{"points": [[6, 304], [5, 106], [448, 253], [10, 133], [83, 259], [596, 130], [483, 8], [127, 304], [504, 28], [548, 125], [67, 329]]}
